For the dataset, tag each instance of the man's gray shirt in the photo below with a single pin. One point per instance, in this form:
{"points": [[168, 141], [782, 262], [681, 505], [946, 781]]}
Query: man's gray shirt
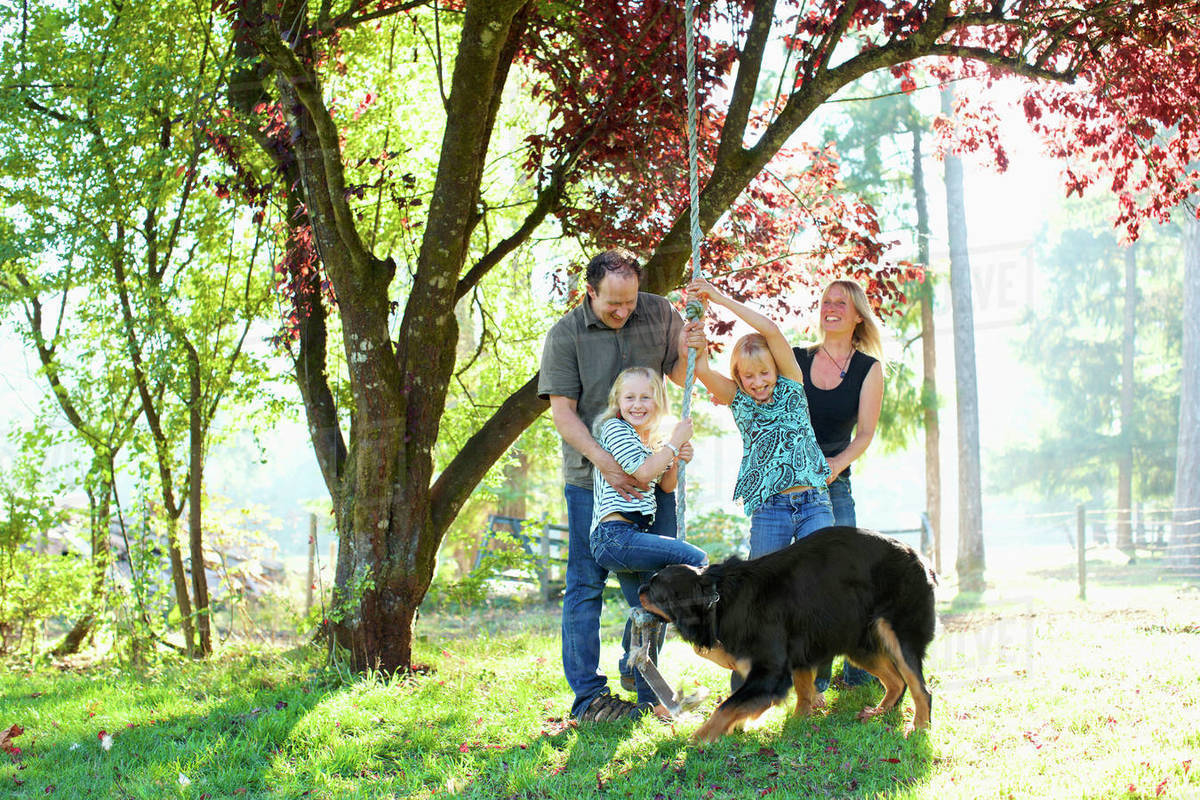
{"points": [[583, 356]]}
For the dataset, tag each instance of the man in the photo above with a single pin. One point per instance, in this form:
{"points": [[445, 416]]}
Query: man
{"points": [[615, 327]]}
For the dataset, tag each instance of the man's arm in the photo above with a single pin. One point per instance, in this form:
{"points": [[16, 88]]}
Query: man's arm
{"points": [[571, 428]]}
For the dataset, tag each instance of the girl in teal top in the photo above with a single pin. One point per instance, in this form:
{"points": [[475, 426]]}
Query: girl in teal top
{"points": [[783, 476]]}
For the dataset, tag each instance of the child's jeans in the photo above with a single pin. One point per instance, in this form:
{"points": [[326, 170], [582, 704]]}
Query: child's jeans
{"points": [[788, 517], [622, 548]]}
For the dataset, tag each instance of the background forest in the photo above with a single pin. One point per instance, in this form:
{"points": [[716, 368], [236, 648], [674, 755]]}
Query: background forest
{"points": [[241, 275]]}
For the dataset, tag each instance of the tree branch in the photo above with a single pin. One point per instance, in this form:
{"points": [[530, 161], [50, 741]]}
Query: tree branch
{"points": [[749, 67], [1013, 64], [463, 474], [547, 200], [819, 64]]}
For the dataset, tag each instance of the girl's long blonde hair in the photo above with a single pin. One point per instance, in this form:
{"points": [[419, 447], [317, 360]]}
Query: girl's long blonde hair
{"points": [[868, 335], [613, 411]]}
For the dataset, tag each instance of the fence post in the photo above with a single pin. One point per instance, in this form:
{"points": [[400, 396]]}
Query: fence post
{"points": [[926, 537], [1081, 549], [312, 562], [544, 565]]}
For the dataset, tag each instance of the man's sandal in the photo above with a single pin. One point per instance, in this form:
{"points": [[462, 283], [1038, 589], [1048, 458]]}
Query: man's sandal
{"points": [[609, 708]]}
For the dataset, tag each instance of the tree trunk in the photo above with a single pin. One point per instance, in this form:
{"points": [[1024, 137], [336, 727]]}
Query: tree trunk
{"points": [[99, 507], [195, 502], [516, 487], [179, 579], [929, 395], [1184, 550], [1125, 462], [312, 564], [970, 561]]}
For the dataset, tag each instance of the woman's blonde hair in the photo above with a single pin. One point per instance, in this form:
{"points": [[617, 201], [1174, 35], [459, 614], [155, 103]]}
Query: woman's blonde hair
{"points": [[868, 335], [613, 411], [751, 347]]}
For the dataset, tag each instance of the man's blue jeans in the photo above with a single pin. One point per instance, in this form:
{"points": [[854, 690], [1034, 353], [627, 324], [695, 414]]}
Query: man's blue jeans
{"points": [[583, 596], [786, 518]]}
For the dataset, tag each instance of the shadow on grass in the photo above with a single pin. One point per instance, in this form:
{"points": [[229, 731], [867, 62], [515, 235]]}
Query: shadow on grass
{"points": [[1146, 570], [230, 750], [965, 602], [834, 755]]}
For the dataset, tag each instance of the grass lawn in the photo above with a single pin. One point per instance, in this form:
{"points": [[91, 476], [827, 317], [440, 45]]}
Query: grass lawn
{"points": [[1036, 694]]}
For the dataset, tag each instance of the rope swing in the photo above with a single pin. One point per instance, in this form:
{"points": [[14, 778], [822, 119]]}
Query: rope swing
{"points": [[646, 626], [693, 310]]}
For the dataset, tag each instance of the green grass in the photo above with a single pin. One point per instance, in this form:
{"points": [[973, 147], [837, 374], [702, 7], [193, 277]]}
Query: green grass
{"points": [[1036, 695]]}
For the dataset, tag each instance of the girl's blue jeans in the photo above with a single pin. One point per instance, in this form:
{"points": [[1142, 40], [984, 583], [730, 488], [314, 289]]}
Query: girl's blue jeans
{"points": [[786, 518], [634, 555]]}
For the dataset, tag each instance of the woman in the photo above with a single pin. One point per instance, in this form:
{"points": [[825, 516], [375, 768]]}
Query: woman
{"points": [[843, 381]]}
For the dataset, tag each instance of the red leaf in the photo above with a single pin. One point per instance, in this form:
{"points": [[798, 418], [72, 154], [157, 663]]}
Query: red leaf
{"points": [[6, 738]]}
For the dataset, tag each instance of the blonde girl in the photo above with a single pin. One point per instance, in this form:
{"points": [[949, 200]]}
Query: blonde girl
{"points": [[782, 478], [629, 429]]}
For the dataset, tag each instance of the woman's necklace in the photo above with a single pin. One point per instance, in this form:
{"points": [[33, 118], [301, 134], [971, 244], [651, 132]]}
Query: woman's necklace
{"points": [[841, 367]]}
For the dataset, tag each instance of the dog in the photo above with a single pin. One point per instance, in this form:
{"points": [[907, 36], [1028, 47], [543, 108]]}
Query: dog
{"points": [[776, 618]]}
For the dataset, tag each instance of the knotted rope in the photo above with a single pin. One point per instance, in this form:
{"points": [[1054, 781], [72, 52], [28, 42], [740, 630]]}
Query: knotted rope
{"points": [[693, 310]]}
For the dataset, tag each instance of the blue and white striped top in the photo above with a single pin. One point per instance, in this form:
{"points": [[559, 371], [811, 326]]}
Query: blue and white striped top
{"points": [[621, 439]]}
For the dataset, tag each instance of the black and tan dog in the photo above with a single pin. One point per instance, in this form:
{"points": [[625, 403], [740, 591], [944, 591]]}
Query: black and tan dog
{"points": [[775, 619]]}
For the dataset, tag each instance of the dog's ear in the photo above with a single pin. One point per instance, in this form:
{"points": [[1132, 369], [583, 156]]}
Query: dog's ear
{"points": [[696, 618], [708, 589]]}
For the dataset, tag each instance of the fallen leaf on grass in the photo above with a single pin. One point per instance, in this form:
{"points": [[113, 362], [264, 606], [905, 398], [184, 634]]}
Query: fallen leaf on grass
{"points": [[6, 738], [105, 739], [890, 760]]}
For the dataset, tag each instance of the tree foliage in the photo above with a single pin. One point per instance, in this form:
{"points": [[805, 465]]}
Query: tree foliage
{"points": [[1074, 335], [601, 163], [131, 274], [411, 151]]}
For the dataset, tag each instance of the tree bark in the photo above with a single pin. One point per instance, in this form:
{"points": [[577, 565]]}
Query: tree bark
{"points": [[195, 500], [929, 395], [179, 580], [1183, 552], [970, 561], [99, 509], [1125, 461]]}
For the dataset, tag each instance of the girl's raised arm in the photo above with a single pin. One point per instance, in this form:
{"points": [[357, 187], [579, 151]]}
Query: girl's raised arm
{"points": [[723, 390], [781, 351]]}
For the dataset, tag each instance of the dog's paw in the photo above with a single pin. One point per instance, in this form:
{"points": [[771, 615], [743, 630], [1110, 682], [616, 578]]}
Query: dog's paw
{"points": [[870, 712]]}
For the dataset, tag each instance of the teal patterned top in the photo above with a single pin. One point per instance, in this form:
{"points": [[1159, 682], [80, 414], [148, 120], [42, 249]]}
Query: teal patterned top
{"points": [[779, 448]]}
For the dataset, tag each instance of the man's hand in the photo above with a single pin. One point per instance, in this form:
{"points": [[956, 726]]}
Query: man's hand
{"points": [[692, 335], [626, 485]]}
